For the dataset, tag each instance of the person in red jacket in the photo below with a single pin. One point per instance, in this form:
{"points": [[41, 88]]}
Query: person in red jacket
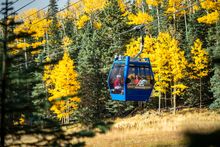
{"points": [[136, 80], [117, 84]]}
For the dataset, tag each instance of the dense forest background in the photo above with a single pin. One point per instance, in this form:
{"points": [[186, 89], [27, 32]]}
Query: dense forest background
{"points": [[55, 62]]}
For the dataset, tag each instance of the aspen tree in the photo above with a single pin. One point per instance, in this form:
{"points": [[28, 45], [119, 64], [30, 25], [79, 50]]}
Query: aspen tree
{"points": [[89, 8], [63, 86], [199, 65], [38, 30]]}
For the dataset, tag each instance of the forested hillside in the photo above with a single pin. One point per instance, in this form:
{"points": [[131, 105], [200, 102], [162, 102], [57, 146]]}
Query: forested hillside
{"points": [[55, 62]]}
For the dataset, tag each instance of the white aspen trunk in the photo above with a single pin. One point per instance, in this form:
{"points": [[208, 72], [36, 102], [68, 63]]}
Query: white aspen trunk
{"points": [[26, 67], [68, 116], [47, 44], [200, 93], [63, 27], [62, 120], [171, 96], [165, 103], [186, 28], [174, 100], [190, 9], [44, 47], [158, 20], [174, 19], [159, 101], [25, 57], [174, 103]]}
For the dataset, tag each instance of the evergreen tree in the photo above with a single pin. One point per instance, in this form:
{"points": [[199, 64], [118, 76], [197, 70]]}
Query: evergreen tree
{"points": [[215, 82], [114, 24], [54, 34], [89, 66], [98, 45], [212, 18], [215, 87]]}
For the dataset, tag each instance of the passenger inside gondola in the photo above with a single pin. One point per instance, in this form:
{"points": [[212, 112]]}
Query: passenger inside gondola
{"points": [[142, 82], [136, 80], [118, 85]]}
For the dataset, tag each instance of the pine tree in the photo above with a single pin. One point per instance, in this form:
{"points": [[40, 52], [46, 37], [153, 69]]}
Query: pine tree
{"points": [[215, 86], [54, 33], [212, 18], [98, 46], [215, 82], [89, 66]]}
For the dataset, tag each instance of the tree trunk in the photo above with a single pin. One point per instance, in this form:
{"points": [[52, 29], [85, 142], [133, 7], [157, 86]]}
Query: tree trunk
{"points": [[4, 75], [25, 57], [200, 93], [174, 101], [158, 20], [165, 102], [174, 104], [159, 101], [174, 19], [171, 96], [186, 28], [63, 27], [47, 44]]}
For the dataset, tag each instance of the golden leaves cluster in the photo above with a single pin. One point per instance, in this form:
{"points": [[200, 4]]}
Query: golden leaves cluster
{"points": [[154, 3], [82, 21], [91, 6], [200, 60], [35, 25], [62, 84], [139, 18], [174, 6], [210, 18], [213, 12], [122, 6]]}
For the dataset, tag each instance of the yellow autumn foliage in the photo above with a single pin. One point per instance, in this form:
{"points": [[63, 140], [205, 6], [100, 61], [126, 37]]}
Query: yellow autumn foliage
{"points": [[66, 42], [210, 4], [30, 17], [168, 60], [139, 18], [97, 24], [199, 64], [63, 87], [82, 21], [212, 8], [91, 6], [122, 6], [175, 5], [210, 18], [154, 3], [179, 88], [23, 45], [22, 119], [35, 25]]}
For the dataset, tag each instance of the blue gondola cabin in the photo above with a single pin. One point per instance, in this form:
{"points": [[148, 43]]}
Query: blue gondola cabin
{"points": [[131, 79]]}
